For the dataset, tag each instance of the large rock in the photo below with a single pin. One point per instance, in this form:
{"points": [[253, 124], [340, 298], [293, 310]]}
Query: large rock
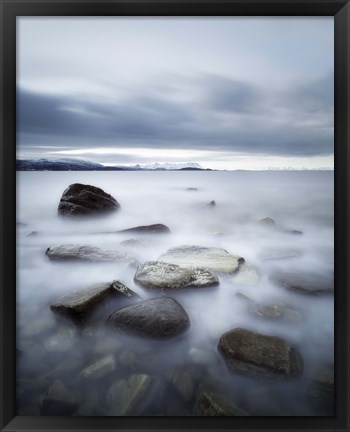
{"points": [[164, 276], [81, 303], [212, 405], [214, 259], [251, 353], [85, 200], [71, 252], [160, 318], [132, 396], [310, 283], [58, 400]]}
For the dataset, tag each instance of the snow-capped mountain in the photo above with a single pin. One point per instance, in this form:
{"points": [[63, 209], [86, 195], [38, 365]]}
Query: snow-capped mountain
{"points": [[170, 166]]}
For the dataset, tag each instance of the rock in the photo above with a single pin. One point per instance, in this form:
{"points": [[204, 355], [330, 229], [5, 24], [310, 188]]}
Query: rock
{"points": [[147, 229], [86, 200], [131, 397], [71, 252], [213, 405], [160, 318], [191, 189], [267, 222], [263, 401], [304, 282], [279, 253], [214, 259], [320, 384], [58, 400], [294, 232], [81, 303], [211, 204], [32, 234], [135, 243], [246, 275], [62, 341], [164, 276], [100, 368], [244, 297], [276, 312], [251, 353], [183, 381], [23, 224]]}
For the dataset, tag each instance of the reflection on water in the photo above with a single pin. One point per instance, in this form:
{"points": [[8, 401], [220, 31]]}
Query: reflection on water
{"points": [[64, 369]]}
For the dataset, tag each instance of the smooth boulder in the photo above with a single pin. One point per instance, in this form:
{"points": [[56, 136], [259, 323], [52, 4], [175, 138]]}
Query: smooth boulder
{"points": [[72, 252], [85, 200], [211, 258], [302, 282], [212, 405], [159, 318], [81, 303], [164, 276], [250, 353], [147, 229]]}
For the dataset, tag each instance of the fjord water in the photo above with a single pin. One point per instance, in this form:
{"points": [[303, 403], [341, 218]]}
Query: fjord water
{"points": [[52, 349]]}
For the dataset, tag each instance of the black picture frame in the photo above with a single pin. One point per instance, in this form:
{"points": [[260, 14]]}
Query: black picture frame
{"points": [[10, 9]]}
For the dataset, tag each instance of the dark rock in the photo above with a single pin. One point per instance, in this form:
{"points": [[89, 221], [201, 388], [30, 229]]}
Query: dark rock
{"points": [[160, 318], [294, 232], [71, 252], [164, 276], [304, 282], [132, 396], [147, 229], [86, 200], [251, 353], [214, 259], [81, 303], [267, 222], [211, 204], [192, 189], [213, 405], [58, 400]]}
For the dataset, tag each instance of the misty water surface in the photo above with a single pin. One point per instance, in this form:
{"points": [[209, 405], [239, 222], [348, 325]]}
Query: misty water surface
{"points": [[51, 348]]}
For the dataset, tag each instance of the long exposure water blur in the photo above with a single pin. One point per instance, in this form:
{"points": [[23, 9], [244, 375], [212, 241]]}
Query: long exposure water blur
{"points": [[51, 349]]}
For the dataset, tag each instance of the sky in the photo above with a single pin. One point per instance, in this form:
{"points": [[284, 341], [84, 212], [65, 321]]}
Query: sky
{"points": [[225, 92]]}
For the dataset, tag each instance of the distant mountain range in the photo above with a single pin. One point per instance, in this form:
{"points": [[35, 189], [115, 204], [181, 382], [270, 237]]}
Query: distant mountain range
{"points": [[81, 165]]}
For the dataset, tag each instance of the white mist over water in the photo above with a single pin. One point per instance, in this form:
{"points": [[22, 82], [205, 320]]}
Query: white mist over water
{"points": [[296, 200]]}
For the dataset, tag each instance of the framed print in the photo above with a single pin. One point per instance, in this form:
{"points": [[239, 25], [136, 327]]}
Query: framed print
{"points": [[174, 215]]}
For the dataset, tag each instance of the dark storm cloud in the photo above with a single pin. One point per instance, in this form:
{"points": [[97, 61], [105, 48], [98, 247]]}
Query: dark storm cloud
{"points": [[221, 114]]}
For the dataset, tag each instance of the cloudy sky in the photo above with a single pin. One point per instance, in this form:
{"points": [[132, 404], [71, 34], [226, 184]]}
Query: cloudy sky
{"points": [[228, 93]]}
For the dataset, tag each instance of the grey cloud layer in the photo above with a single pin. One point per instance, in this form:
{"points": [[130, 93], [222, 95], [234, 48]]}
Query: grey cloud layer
{"points": [[219, 114]]}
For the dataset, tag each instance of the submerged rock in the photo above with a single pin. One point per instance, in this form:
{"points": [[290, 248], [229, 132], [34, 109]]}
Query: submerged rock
{"points": [[320, 385], [86, 200], [160, 318], [100, 368], [276, 312], [132, 396], [293, 231], [279, 253], [164, 276], [71, 252], [213, 405], [214, 259], [58, 400], [211, 204], [267, 222], [183, 381], [147, 229], [192, 189], [81, 303], [304, 282], [246, 275], [251, 353]]}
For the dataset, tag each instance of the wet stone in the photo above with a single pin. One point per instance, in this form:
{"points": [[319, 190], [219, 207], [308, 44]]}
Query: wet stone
{"points": [[214, 405], [246, 275], [258, 355], [214, 259], [302, 282], [164, 276], [160, 318], [86, 200], [58, 400], [85, 253], [100, 368], [80, 304]]}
